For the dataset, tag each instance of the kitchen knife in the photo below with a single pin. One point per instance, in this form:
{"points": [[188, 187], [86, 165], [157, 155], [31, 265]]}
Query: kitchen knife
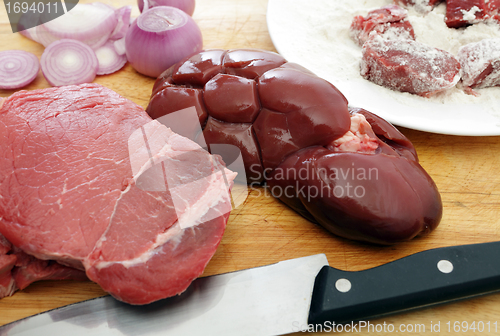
{"points": [[282, 298]]}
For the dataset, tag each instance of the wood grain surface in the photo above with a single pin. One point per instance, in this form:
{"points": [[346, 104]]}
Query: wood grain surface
{"points": [[264, 231]]}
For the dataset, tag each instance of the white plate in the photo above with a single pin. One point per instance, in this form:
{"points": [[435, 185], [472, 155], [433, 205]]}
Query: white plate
{"points": [[315, 35]]}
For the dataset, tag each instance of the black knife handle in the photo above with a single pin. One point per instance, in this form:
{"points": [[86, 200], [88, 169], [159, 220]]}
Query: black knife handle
{"points": [[411, 282]]}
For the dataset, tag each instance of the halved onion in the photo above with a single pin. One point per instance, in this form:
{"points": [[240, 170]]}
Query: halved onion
{"points": [[185, 5], [161, 37], [109, 60], [18, 68], [68, 62]]}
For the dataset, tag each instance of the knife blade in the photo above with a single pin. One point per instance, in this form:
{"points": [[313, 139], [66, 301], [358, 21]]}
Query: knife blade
{"points": [[286, 297]]}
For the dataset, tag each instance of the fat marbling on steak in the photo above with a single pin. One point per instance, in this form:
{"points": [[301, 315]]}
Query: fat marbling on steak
{"points": [[79, 184]]}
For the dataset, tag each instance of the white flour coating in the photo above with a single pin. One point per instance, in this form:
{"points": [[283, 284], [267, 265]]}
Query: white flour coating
{"points": [[331, 37], [422, 6], [476, 57], [470, 15]]}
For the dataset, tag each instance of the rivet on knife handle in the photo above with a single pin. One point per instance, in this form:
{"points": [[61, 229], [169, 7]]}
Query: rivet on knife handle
{"points": [[422, 279]]}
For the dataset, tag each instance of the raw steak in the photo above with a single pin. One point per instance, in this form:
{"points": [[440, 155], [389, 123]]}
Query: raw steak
{"points": [[7, 262], [480, 62], [29, 269], [391, 22], [89, 180], [409, 66]]}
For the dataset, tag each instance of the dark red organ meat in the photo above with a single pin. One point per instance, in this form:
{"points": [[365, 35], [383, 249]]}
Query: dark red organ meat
{"points": [[391, 22], [409, 66], [304, 119], [480, 62], [379, 195], [282, 119], [78, 188]]}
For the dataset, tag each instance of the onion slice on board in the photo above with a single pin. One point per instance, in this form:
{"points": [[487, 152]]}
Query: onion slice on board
{"points": [[27, 24], [18, 68], [120, 46], [89, 23], [123, 15], [68, 62], [184, 5], [109, 60], [161, 37]]}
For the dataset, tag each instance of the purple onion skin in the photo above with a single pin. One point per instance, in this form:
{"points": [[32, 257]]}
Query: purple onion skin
{"points": [[150, 53], [185, 5]]}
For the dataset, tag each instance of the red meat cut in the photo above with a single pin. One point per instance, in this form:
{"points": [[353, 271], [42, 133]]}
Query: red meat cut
{"points": [[421, 6], [7, 262], [391, 22], [460, 13], [89, 181], [480, 62], [409, 66], [493, 9]]}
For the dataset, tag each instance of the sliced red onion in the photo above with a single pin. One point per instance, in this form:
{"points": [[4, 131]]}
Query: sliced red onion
{"points": [[29, 33], [42, 36], [89, 23], [68, 62], [18, 68], [123, 15], [102, 5], [27, 23], [109, 60], [185, 5], [161, 37], [120, 46]]}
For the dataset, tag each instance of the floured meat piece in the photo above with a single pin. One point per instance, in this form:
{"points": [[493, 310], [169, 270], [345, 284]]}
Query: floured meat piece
{"points": [[480, 62], [493, 9], [391, 22], [409, 66], [421, 6], [89, 180], [360, 138], [460, 13]]}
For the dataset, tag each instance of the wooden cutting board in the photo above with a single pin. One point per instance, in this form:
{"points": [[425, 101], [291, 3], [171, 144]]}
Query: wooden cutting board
{"points": [[264, 231]]}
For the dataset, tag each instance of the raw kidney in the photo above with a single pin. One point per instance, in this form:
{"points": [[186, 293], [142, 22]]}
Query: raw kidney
{"points": [[344, 168]]}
